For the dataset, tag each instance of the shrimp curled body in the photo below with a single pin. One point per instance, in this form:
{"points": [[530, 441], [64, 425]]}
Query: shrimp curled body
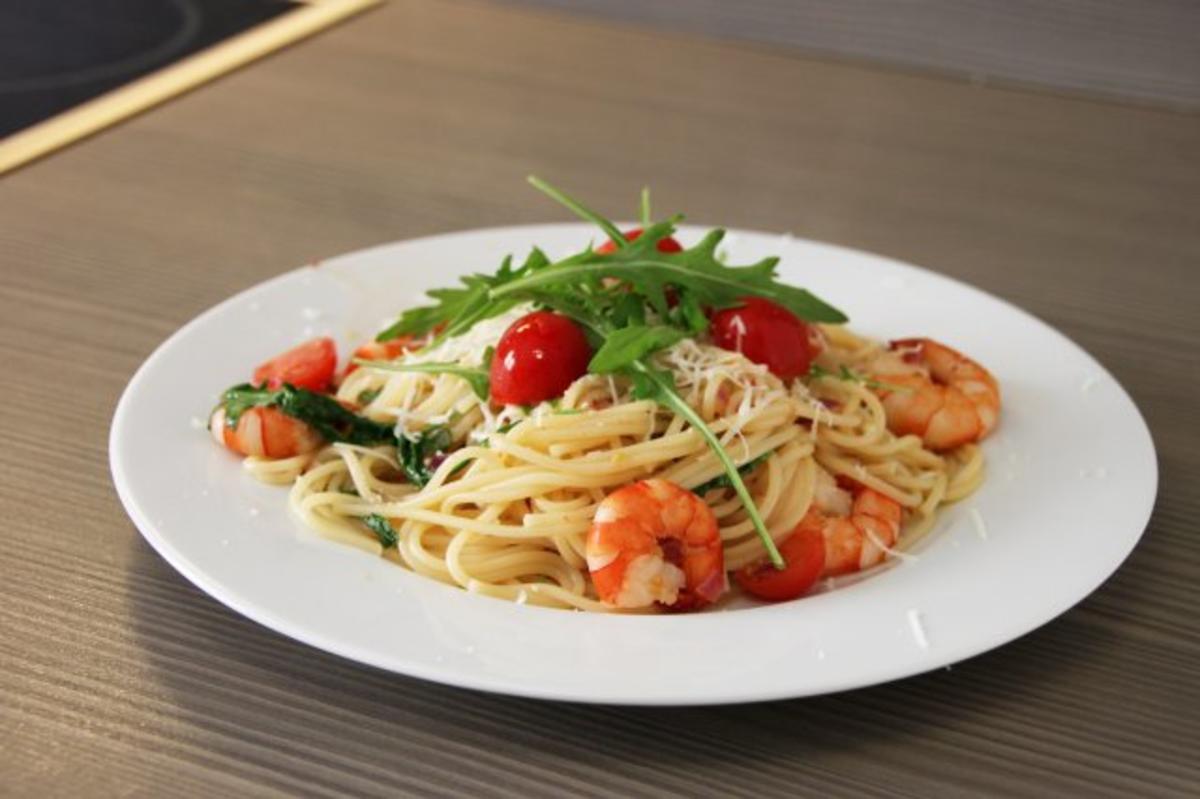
{"points": [[935, 392], [655, 542], [264, 432], [859, 526]]}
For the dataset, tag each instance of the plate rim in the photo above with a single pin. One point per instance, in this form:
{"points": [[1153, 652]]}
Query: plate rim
{"points": [[213, 587]]}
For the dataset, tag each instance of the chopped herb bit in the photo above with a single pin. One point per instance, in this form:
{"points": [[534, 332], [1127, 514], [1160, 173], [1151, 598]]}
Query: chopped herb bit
{"points": [[368, 395], [416, 455], [477, 376], [849, 375], [382, 529], [722, 480]]}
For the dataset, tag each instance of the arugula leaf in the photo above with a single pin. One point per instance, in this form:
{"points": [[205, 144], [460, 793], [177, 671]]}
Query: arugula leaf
{"points": [[577, 282], [722, 480], [319, 411], [691, 314], [459, 308], [415, 454], [422, 319], [622, 347], [477, 376], [382, 529], [581, 210], [658, 385], [695, 269], [628, 309]]}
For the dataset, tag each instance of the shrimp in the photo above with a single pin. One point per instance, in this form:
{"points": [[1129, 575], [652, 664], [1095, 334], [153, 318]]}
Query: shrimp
{"points": [[936, 392], [265, 432], [656, 542], [859, 526]]}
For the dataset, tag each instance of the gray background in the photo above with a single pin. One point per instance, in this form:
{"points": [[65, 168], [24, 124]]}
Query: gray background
{"points": [[1143, 50]]}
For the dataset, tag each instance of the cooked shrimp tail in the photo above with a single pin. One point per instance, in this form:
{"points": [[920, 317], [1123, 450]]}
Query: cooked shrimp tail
{"points": [[859, 525], [654, 542], [265, 432], [935, 392]]}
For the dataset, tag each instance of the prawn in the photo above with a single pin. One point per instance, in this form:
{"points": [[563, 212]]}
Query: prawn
{"points": [[944, 397], [655, 542], [859, 525], [264, 431]]}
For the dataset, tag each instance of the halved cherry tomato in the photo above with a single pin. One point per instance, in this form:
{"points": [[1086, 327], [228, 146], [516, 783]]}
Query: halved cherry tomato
{"points": [[382, 351], [769, 334], [311, 366], [804, 553], [537, 358], [668, 244]]}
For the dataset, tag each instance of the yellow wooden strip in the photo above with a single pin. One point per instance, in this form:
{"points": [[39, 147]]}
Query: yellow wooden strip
{"points": [[157, 87]]}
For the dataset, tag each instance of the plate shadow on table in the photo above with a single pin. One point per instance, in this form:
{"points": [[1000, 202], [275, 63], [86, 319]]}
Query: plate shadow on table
{"points": [[265, 704]]}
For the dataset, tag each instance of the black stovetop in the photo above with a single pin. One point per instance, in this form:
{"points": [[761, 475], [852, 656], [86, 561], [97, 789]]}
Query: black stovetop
{"points": [[55, 54]]}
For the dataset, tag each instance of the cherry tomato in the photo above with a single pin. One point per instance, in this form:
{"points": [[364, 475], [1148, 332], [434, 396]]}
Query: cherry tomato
{"points": [[383, 350], [311, 366], [669, 244], [804, 553], [537, 358], [769, 334]]}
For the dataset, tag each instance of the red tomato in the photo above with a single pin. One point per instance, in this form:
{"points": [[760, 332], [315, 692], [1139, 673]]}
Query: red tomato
{"points": [[668, 244], [537, 358], [311, 366], [769, 334], [804, 553], [382, 350]]}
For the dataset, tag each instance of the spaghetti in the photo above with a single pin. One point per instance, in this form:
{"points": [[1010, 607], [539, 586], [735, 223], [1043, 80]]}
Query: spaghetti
{"points": [[511, 492], [507, 513]]}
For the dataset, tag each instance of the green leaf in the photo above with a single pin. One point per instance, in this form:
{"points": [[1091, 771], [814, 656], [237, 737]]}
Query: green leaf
{"points": [[421, 320], [628, 309], [816, 371], [415, 454], [382, 529], [319, 411], [660, 386], [477, 376], [624, 346], [722, 480], [649, 272], [579, 209], [458, 308], [691, 313]]}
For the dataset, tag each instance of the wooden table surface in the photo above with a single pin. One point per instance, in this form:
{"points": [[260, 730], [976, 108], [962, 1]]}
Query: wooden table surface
{"points": [[117, 676]]}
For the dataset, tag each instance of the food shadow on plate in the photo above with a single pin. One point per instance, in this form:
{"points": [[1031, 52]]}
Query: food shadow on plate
{"points": [[259, 706]]}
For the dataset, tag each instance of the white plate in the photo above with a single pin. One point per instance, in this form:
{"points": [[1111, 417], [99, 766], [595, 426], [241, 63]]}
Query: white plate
{"points": [[1072, 478]]}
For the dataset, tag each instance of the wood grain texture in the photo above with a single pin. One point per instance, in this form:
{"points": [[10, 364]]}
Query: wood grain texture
{"points": [[1147, 51], [117, 677]]}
